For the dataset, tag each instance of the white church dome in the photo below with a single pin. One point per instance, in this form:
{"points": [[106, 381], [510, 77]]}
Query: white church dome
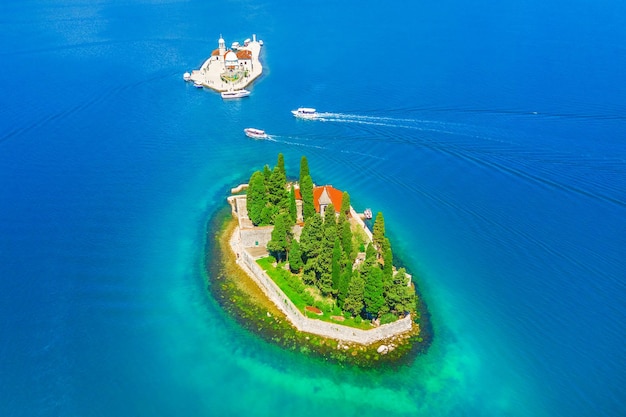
{"points": [[231, 57]]}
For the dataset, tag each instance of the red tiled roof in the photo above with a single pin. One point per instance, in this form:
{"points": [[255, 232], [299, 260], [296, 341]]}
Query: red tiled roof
{"points": [[216, 52], [244, 54], [334, 194]]}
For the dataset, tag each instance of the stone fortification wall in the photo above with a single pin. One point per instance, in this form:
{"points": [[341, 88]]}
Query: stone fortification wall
{"points": [[257, 237], [305, 324]]}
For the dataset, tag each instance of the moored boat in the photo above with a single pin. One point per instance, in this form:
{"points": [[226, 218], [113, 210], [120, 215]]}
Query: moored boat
{"points": [[235, 94], [255, 133], [367, 213], [197, 84], [305, 113]]}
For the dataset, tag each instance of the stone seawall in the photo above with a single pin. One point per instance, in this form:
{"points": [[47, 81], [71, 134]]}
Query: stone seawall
{"points": [[305, 324]]}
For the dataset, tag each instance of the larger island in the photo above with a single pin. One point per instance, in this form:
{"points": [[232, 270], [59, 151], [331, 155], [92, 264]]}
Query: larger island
{"points": [[331, 280]]}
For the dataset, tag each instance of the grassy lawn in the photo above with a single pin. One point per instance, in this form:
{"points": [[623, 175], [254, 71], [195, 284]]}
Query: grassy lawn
{"points": [[293, 288]]}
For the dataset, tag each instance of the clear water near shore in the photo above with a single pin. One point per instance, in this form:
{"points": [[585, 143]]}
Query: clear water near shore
{"points": [[490, 136]]}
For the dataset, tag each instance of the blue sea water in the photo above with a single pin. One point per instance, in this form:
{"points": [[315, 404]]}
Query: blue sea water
{"points": [[490, 134]]}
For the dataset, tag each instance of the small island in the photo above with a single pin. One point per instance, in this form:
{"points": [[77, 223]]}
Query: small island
{"points": [[229, 69], [331, 281]]}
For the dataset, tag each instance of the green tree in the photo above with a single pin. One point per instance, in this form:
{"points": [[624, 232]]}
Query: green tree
{"points": [[405, 298], [379, 230], [330, 223], [267, 172], [295, 257], [311, 237], [256, 198], [267, 215], [281, 238], [293, 209], [309, 272], [325, 261], [277, 190], [344, 285], [345, 203], [281, 164], [346, 241], [306, 191], [370, 255], [304, 168], [373, 293], [353, 302], [387, 261], [336, 266]]}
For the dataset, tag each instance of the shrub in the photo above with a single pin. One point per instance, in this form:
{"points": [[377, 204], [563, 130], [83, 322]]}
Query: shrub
{"points": [[388, 318]]}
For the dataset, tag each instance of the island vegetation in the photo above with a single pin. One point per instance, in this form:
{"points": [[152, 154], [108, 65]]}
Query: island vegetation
{"points": [[332, 269], [331, 265]]}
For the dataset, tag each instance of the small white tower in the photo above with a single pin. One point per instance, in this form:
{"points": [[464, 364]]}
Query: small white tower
{"points": [[222, 45]]}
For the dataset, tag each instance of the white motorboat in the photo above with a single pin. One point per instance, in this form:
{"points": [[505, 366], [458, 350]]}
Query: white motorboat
{"points": [[186, 76], [305, 113], [235, 94], [255, 133], [197, 84]]}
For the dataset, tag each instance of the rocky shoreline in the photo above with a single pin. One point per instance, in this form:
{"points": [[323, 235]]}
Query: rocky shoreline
{"points": [[241, 297]]}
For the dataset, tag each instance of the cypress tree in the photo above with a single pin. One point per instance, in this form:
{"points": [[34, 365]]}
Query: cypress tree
{"points": [[267, 172], [378, 234], [344, 285], [267, 215], [304, 168], [353, 302], [346, 241], [345, 203], [311, 238], [281, 164], [370, 255], [306, 191], [373, 293], [388, 261], [280, 239], [309, 272], [336, 266], [295, 257], [256, 198], [293, 209], [325, 261], [277, 190], [330, 223]]}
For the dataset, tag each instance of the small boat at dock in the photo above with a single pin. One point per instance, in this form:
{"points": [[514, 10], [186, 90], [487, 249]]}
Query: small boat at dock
{"points": [[235, 94], [255, 133], [367, 213], [197, 84]]}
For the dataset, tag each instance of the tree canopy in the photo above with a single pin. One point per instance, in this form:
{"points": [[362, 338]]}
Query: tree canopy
{"points": [[306, 191], [324, 255], [256, 198]]}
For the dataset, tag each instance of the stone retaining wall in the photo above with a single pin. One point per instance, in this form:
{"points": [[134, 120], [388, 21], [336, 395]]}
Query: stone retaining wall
{"points": [[305, 324]]}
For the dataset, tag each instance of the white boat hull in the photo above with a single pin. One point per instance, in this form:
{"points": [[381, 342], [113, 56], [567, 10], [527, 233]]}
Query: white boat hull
{"points": [[235, 94]]}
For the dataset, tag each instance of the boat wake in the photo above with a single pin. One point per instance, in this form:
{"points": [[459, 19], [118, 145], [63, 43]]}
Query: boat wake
{"points": [[496, 149]]}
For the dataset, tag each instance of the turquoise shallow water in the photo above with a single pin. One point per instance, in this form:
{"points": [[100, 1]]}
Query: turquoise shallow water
{"points": [[490, 136]]}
